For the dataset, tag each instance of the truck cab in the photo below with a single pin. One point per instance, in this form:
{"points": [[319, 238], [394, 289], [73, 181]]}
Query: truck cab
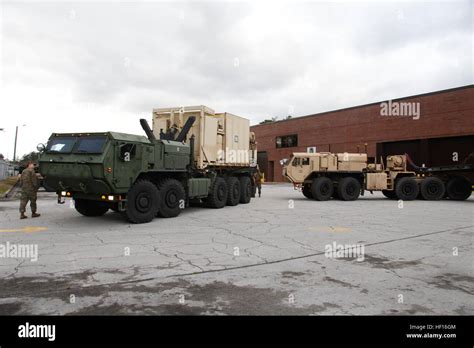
{"points": [[94, 164]]}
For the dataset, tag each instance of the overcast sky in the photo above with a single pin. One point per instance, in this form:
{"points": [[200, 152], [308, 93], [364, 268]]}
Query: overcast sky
{"points": [[95, 66]]}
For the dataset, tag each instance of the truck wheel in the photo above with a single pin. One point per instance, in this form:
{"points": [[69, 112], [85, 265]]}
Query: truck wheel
{"points": [[233, 191], [172, 198], [458, 188], [88, 207], [407, 189], [218, 196], [307, 191], [432, 189], [322, 188], [142, 202], [348, 189], [389, 194], [245, 189]]}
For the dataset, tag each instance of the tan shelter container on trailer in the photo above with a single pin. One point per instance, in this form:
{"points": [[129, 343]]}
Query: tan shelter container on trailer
{"points": [[220, 139]]}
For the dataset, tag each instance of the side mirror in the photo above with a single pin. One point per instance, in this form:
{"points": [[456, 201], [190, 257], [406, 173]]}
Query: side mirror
{"points": [[41, 147]]}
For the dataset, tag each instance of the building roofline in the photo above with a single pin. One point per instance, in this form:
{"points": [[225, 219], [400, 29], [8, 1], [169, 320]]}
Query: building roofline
{"points": [[369, 104]]}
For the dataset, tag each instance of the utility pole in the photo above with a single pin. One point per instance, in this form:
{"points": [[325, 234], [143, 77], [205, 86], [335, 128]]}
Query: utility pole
{"points": [[14, 149], [16, 137]]}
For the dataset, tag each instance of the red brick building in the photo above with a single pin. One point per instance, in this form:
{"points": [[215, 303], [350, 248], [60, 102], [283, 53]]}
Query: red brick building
{"points": [[441, 133]]}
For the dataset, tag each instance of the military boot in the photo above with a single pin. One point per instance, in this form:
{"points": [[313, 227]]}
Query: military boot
{"points": [[35, 215], [23, 216]]}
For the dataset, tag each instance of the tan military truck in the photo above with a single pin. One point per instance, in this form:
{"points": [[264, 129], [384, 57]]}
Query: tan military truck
{"points": [[345, 176]]}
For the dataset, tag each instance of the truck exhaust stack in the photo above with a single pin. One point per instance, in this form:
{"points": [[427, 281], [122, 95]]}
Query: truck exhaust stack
{"points": [[147, 130], [187, 126]]}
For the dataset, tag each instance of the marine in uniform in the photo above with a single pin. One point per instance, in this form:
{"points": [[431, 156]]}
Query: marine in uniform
{"points": [[29, 186]]}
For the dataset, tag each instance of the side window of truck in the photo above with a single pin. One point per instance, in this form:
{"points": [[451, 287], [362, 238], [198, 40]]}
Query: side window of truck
{"points": [[305, 161], [296, 162], [127, 152]]}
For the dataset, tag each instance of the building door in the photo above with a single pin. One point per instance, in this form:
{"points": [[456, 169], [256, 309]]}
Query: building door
{"points": [[430, 152], [411, 147], [271, 171], [262, 161], [449, 151]]}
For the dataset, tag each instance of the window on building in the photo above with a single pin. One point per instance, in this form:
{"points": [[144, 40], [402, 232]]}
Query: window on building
{"points": [[287, 141]]}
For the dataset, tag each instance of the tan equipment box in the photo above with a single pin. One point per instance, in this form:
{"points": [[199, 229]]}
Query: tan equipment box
{"points": [[376, 181], [351, 161], [220, 139], [327, 162]]}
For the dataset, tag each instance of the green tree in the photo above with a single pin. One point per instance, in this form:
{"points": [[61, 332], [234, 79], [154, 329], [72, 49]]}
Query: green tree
{"points": [[32, 156]]}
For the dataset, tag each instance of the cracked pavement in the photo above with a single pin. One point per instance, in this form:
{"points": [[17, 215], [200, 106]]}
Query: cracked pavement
{"points": [[266, 257]]}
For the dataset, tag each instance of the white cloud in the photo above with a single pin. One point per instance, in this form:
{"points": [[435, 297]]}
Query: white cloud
{"points": [[72, 66]]}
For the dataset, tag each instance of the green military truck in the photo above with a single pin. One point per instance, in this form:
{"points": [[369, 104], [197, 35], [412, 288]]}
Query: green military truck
{"points": [[140, 177]]}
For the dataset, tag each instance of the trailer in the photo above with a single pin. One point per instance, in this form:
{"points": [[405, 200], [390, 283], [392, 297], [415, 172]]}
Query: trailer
{"points": [[346, 176]]}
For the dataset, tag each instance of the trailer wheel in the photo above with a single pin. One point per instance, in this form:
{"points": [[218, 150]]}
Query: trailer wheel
{"points": [[432, 189], [245, 189], [88, 207], [348, 189], [172, 198], [218, 196], [389, 194], [307, 191], [322, 188], [142, 202], [407, 189], [233, 193], [458, 188]]}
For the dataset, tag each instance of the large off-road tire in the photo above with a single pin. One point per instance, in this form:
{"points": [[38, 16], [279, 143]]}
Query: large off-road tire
{"points": [[88, 207], [432, 189], [407, 189], [233, 190], [218, 196], [143, 201], [458, 188], [348, 189], [322, 188], [390, 194], [245, 189], [172, 198], [307, 191]]}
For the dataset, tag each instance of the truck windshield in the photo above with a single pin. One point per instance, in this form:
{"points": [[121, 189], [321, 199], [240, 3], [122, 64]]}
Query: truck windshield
{"points": [[93, 144], [61, 144]]}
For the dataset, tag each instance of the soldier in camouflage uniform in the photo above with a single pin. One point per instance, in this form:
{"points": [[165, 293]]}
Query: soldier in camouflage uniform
{"points": [[257, 177], [29, 185]]}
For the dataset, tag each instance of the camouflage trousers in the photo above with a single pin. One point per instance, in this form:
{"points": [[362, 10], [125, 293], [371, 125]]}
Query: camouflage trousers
{"points": [[25, 197]]}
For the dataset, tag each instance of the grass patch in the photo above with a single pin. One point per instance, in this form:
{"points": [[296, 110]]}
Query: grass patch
{"points": [[7, 184]]}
